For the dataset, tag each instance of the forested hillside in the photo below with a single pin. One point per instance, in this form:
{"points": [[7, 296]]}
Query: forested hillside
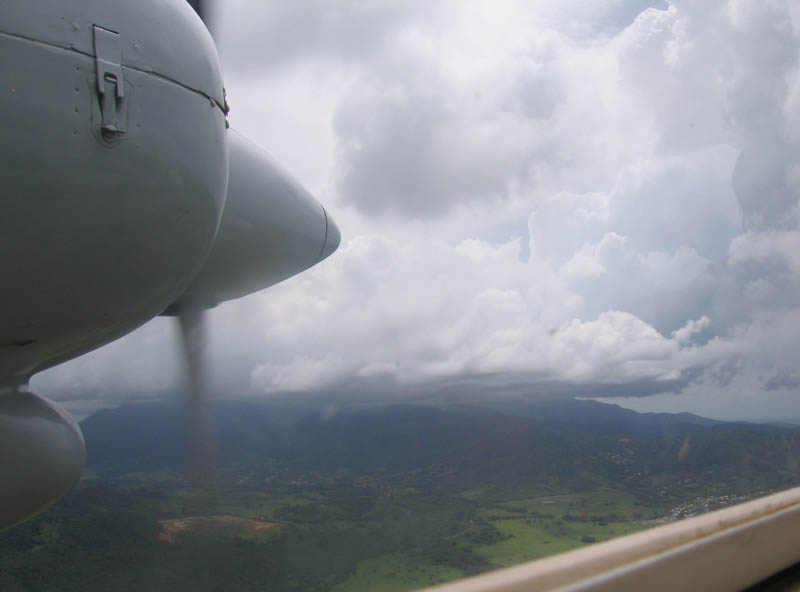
{"points": [[378, 497]]}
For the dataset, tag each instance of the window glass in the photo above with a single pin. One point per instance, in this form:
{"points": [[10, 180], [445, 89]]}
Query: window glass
{"points": [[565, 307]]}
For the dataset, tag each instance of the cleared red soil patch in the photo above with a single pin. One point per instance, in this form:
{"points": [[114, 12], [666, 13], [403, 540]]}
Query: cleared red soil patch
{"points": [[171, 528]]}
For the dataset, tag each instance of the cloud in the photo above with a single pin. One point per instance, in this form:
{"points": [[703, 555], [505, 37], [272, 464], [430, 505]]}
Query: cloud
{"points": [[575, 197], [463, 112], [263, 36], [687, 333], [738, 61], [418, 312]]}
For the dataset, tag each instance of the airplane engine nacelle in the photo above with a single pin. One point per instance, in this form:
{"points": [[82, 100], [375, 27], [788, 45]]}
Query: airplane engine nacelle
{"points": [[41, 455], [113, 168]]}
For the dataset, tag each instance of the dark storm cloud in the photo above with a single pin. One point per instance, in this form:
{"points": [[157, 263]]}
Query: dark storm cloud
{"points": [[782, 380], [470, 389], [531, 387]]}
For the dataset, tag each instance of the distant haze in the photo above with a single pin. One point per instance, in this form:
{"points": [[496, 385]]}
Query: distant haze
{"points": [[591, 198]]}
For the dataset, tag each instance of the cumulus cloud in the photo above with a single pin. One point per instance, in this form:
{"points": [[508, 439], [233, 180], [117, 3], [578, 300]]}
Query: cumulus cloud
{"points": [[418, 311], [434, 122], [577, 197]]}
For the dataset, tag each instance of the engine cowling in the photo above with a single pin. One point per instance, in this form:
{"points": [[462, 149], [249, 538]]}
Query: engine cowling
{"points": [[113, 168], [41, 455]]}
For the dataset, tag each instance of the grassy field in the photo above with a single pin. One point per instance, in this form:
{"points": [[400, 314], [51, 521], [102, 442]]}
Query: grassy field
{"points": [[540, 538], [393, 574], [524, 529], [527, 529], [600, 501], [542, 526]]}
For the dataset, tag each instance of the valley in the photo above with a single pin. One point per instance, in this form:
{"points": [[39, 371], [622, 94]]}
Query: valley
{"points": [[391, 497]]}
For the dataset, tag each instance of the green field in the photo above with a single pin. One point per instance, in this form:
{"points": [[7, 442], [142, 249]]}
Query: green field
{"points": [[540, 538], [542, 526], [393, 574]]}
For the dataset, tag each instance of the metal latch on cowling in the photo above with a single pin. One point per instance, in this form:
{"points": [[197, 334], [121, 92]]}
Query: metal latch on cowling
{"points": [[110, 84]]}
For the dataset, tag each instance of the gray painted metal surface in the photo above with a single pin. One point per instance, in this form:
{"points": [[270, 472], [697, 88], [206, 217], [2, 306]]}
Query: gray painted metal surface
{"points": [[96, 235], [163, 37], [41, 455], [114, 154]]}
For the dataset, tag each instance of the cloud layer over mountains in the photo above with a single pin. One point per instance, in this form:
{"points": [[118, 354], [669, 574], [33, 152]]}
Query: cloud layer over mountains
{"points": [[602, 195]]}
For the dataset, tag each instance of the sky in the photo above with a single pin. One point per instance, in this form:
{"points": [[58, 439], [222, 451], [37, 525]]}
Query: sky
{"points": [[593, 198]]}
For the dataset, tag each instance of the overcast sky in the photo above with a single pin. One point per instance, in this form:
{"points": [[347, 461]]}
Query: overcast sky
{"points": [[594, 197]]}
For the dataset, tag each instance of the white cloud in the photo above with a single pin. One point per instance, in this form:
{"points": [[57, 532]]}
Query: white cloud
{"points": [[689, 330], [563, 191]]}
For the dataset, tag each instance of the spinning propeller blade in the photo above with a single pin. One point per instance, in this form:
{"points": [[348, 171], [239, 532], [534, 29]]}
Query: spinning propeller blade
{"points": [[201, 436]]}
